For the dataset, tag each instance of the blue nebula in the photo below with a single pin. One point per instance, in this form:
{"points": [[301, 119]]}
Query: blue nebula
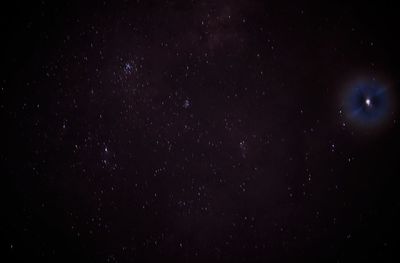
{"points": [[367, 103]]}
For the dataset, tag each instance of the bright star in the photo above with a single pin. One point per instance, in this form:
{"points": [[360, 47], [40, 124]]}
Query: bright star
{"points": [[368, 102]]}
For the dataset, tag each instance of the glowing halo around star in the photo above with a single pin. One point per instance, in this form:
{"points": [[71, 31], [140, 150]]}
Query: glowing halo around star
{"points": [[367, 103]]}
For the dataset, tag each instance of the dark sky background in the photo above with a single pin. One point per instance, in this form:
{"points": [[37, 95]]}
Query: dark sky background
{"points": [[197, 131]]}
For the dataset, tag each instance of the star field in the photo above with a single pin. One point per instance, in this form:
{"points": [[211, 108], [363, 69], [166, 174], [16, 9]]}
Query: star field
{"points": [[200, 131]]}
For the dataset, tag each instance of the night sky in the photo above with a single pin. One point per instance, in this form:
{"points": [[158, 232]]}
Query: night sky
{"points": [[200, 131]]}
